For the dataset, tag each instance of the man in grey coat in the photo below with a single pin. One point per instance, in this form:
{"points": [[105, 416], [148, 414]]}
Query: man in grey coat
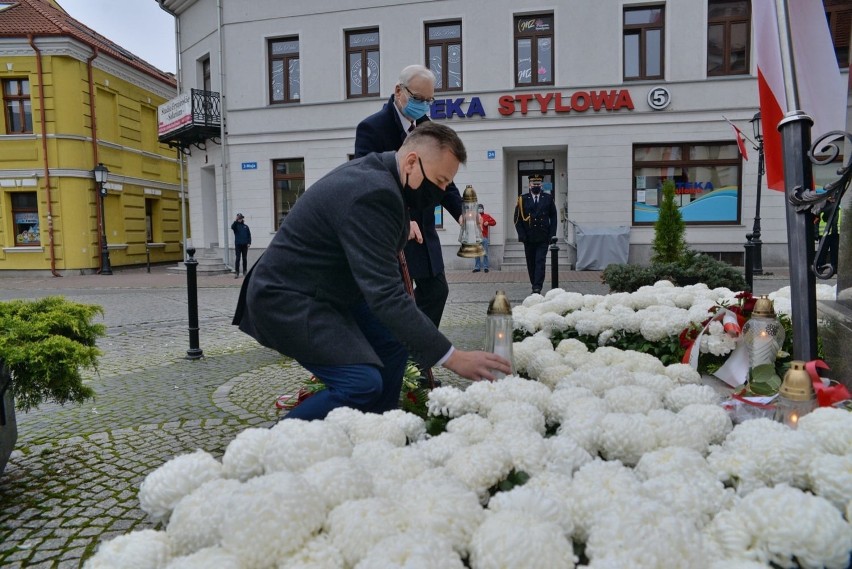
{"points": [[327, 291]]}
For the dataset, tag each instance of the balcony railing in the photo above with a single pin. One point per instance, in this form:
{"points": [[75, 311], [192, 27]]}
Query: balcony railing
{"points": [[190, 119]]}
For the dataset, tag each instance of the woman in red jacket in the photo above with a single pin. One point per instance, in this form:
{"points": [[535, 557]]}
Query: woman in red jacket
{"points": [[485, 221]]}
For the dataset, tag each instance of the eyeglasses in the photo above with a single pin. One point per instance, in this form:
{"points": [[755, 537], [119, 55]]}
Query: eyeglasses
{"points": [[417, 98]]}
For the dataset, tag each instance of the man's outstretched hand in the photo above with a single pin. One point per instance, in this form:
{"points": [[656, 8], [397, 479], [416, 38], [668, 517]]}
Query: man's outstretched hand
{"points": [[477, 366]]}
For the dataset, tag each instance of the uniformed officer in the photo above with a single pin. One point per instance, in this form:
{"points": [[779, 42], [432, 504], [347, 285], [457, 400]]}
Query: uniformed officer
{"points": [[535, 222]]}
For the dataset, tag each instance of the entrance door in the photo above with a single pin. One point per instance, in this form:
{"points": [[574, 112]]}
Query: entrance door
{"points": [[543, 168]]}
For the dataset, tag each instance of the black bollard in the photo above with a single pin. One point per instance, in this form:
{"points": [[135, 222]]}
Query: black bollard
{"points": [[749, 262], [148, 257], [554, 263], [194, 352]]}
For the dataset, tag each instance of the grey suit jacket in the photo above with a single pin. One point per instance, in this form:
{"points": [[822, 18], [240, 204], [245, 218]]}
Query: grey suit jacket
{"points": [[337, 248]]}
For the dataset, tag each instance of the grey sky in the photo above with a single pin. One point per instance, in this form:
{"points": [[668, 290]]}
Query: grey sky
{"points": [[139, 26]]}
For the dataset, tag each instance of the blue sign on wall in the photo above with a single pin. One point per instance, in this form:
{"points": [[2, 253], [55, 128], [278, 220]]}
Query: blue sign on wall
{"points": [[492, 154], [249, 165]]}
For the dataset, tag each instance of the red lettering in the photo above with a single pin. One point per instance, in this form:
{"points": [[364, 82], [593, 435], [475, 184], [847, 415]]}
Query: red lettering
{"points": [[624, 100], [560, 108], [603, 99], [523, 100], [543, 100], [507, 105], [580, 101]]}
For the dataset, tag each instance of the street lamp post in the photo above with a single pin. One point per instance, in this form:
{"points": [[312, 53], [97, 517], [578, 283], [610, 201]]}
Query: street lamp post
{"points": [[757, 257], [101, 173]]}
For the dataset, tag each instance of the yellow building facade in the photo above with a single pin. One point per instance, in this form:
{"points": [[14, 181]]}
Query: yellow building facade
{"points": [[73, 100]]}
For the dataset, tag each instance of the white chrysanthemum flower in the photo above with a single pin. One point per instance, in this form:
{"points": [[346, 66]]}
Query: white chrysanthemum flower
{"points": [[448, 401], [562, 396], [600, 379], [660, 462], [485, 395], [523, 322], [696, 499], [761, 452], [163, 488], [571, 346], [438, 450], [355, 527], [626, 437], [146, 549], [647, 534], [717, 341], [393, 467], [532, 300], [683, 373], [317, 553], [294, 444], [522, 351], [659, 323], [684, 395], [270, 517], [243, 456], [771, 522], [735, 564], [605, 337], [339, 479], [196, 519], [343, 417], [480, 466], [595, 488], [206, 558], [515, 539], [831, 477], [537, 504], [565, 455], [554, 484], [542, 360], [411, 550], [632, 399], [656, 382], [552, 322], [526, 414], [551, 376], [372, 427], [638, 362], [831, 427], [474, 428], [441, 507], [527, 448], [581, 421], [672, 430], [413, 426], [566, 302], [711, 420]]}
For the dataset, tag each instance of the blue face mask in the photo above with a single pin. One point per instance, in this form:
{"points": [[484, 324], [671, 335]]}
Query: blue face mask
{"points": [[415, 109]]}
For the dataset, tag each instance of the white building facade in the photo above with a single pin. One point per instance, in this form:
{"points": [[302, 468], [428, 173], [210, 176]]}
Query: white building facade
{"points": [[605, 98]]}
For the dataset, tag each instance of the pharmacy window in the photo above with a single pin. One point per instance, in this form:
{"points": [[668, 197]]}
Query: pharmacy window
{"points": [[707, 177], [534, 50], [25, 219], [443, 55], [362, 63]]}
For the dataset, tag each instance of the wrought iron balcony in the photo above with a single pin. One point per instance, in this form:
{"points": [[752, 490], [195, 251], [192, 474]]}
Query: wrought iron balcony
{"points": [[190, 119]]}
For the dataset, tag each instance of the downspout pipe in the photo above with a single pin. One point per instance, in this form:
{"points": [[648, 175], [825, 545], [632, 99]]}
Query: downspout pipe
{"points": [[223, 135], [43, 118], [95, 158]]}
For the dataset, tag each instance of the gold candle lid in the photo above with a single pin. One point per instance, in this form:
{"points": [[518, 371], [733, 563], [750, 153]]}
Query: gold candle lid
{"points": [[469, 194], [797, 385], [764, 308], [499, 304]]}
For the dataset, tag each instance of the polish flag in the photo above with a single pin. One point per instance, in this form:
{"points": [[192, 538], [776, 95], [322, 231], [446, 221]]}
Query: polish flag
{"points": [[740, 141], [822, 93]]}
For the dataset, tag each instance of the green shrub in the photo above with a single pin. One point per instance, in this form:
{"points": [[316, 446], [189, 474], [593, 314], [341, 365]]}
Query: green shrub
{"points": [[693, 267], [45, 343], [669, 244]]}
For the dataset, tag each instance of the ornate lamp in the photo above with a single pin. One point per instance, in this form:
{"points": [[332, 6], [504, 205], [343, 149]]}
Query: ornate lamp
{"points": [[470, 236], [796, 396], [498, 334], [764, 335]]}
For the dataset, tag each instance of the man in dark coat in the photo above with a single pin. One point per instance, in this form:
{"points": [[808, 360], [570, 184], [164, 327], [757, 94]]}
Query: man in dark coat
{"points": [[327, 290], [535, 222], [242, 241], [386, 130]]}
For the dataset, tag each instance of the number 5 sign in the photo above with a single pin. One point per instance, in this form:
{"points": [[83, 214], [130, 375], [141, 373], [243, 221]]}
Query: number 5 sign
{"points": [[659, 98]]}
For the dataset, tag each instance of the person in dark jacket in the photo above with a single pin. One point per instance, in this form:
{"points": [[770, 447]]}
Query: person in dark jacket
{"points": [[535, 222], [327, 291], [242, 241]]}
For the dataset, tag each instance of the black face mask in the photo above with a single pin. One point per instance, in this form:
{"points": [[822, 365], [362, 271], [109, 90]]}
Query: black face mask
{"points": [[535, 190], [427, 195]]}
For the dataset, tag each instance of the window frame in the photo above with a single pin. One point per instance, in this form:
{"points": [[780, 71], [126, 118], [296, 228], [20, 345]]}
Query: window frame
{"points": [[442, 83], [19, 99], [681, 164], [276, 177], [24, 209], [833, 10], [642, 30], [727, 22], [534, 38], [364, 52], [206, 74], [286, 60]]}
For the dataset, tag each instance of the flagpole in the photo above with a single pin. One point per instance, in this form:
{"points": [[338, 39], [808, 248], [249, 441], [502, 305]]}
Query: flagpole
{"points": [[795, 131]]}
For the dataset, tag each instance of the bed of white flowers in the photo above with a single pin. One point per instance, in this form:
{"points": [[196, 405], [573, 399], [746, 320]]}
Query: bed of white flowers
{"points": [[628, 463]]}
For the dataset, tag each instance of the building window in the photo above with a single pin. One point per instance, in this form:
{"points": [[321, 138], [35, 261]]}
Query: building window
{"points": [[150, 216], [443, 55], [707, 181], [643, 42], [284, 78], [16, 101], [288, 183], [362, 63], [534, 50], [206, 78], [839, 15], [728, 34], [25, 219]]}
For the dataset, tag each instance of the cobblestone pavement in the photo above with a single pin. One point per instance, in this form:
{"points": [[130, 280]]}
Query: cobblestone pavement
{"points": [[73, 479]]}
